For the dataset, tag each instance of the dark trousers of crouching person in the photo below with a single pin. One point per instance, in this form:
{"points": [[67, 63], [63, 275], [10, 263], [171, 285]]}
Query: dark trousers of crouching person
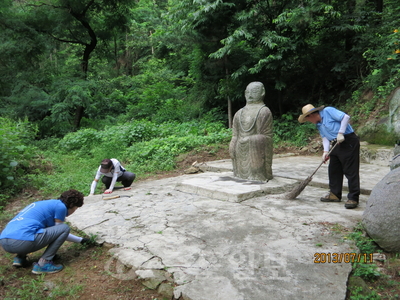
{"points": [[126, 179]]}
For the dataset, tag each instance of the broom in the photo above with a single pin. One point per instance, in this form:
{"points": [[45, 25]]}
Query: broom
{"points": [[298, 189]]}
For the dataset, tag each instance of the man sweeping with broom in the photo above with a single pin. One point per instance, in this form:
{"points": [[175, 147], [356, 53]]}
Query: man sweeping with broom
{"points": [[333, 124]]}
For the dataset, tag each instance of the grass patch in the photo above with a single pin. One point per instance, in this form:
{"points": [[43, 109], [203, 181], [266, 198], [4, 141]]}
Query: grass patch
{"points": [[376, 280]]}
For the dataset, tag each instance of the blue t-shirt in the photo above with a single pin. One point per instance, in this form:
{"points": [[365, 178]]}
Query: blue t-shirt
{"points": [[33, 219], [330, 123]]}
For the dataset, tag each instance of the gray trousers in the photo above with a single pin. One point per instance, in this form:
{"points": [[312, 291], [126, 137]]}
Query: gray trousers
{"points": [[52, 237]]}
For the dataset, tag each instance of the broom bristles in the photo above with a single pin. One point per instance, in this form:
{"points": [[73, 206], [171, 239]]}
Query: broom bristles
{"points": [[297, 189]]}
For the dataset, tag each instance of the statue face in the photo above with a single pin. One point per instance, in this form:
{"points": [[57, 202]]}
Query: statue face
{"points": [[255, 92]]}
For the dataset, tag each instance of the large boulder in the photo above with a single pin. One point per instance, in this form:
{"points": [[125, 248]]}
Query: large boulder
{"points": [[394, 112], [381, 215], [395, 162]]}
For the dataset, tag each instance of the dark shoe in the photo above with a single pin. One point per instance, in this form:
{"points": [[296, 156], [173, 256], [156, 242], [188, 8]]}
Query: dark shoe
{"points": [[330, 197], [20, 261], [48, 268], [351, 204]]}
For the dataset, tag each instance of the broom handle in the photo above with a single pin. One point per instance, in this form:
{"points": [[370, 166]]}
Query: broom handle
{"points": [[333, 147]]}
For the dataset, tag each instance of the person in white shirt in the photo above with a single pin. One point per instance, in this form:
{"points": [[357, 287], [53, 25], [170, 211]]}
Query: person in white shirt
{"points": [[112, 171]]}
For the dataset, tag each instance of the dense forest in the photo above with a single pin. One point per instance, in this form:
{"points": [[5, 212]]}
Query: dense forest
{"points": [[70, 69], [68, 64]]}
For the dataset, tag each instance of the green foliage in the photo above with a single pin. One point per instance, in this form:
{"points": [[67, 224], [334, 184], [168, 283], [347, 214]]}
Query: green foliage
{"points": [[121, 136], [51, 82], [32, 289], [68, 170], [379, 135], [82, 139], [364, 243], [158, 95], [131, 133], [366, 271], [360, 107], [357, 293], [177, 60], [174, 62], [287, 130], [310, 48], [383, 56], [90, 243], [16, 154], [101, 101], [159, 154], [142, 146], [364, 109], [174, 139]]}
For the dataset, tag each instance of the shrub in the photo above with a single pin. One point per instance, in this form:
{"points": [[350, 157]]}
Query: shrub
{"points": [[364, 243], [159, 154], [357, 293], [366, 271], [17, 152], [142, 146], [129, 133], [88, 139], [287, 130], [82, 139]]}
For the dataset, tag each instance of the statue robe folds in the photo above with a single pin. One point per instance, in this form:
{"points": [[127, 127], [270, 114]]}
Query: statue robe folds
{"points": [[251, 147]]}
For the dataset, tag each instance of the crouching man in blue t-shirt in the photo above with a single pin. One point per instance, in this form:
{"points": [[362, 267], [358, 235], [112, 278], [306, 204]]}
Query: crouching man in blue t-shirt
{"points": [[41, 224]]}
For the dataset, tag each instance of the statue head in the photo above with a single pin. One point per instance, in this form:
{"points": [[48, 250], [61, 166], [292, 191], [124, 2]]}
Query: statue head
{"points": [[255, 92]]}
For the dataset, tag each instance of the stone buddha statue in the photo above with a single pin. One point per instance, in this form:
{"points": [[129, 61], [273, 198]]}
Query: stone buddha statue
{"points": [[251, 146]]}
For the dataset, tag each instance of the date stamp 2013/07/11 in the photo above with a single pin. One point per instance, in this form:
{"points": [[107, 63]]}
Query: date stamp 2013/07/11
{"points": [[337, 258]]}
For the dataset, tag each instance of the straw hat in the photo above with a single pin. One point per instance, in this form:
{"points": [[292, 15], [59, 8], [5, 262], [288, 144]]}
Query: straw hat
{"points": [[308, 109]]}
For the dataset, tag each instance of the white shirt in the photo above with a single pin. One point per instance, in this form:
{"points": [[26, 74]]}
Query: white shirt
{"points": [[116, 171]]}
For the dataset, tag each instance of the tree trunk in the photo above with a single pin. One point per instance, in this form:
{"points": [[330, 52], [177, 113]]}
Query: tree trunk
{"points": [[78, 117], [89, 48], [229, 99], [229, 112], [379, 5]]}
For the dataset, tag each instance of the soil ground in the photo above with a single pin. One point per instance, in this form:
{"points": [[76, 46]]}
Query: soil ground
{"points": [[90, 271]]}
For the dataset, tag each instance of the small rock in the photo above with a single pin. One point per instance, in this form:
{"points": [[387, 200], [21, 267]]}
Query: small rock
{"points": [[49, 285], [357, 282], [192, 170], [381, 270], [151, 278], [379, 257], [166, 290], [108, 245]]}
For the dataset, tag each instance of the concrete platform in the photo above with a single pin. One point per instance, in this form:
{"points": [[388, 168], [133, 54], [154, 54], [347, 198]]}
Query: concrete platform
{"points": [[219, 182], [208, 236], [224, 186]]}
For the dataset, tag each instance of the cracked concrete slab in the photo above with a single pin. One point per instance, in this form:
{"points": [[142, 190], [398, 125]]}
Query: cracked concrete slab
{"points": [[226, 246]]}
